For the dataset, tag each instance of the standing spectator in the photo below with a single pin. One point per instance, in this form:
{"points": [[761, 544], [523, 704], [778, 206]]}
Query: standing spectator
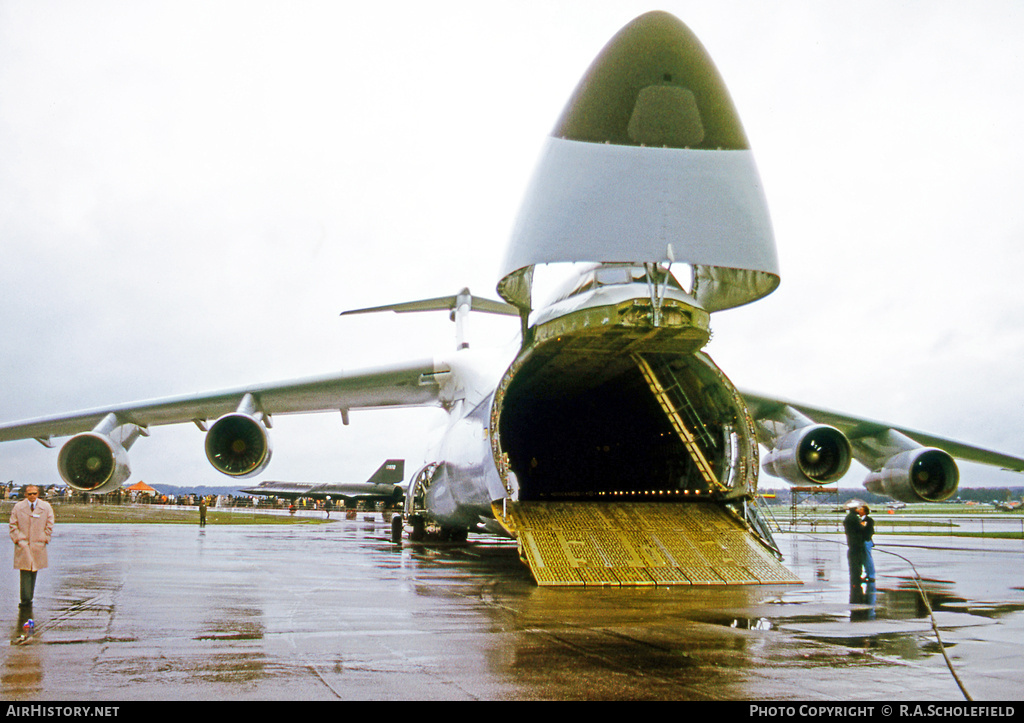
{"points": [[854, 541], [31, 527], [867, 532]]}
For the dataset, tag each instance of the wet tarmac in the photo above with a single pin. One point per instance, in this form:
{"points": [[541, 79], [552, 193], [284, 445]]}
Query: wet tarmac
{"points": [[337, 612]]}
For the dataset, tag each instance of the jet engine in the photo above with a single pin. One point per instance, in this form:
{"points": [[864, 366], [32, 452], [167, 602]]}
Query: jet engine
{"points": [[97, 461], [238, 444], [816, 453], [925, 474], [93, 462]]}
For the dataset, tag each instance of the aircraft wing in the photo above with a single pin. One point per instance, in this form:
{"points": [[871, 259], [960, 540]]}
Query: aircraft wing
{"points": [[858, 428], [412, 384]]}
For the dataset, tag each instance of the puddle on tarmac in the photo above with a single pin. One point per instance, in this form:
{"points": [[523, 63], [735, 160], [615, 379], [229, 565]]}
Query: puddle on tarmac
{"points": [[888, 621]]}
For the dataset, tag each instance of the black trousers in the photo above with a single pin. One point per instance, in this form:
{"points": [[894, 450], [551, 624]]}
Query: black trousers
{"points": [[28, 586], [856, 560]]}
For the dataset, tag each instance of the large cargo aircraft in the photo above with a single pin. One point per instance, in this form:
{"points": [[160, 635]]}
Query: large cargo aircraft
{"points": [[609, 444]]}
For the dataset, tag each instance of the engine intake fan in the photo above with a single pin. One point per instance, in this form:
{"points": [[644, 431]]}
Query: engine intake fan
{"points": [[238, 444], [920, 475], [816, 453], [94, 461]]}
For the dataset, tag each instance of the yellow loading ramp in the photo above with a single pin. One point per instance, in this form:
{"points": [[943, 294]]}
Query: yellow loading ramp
{"points": [[629, 543]]}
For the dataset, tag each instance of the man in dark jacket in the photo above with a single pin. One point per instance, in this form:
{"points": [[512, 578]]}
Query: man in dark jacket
{"points": [[854, 541]]}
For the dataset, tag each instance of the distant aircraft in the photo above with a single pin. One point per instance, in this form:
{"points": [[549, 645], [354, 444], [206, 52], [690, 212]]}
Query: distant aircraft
{"points": [[1007, 506], [385, 485], [609, 444]]}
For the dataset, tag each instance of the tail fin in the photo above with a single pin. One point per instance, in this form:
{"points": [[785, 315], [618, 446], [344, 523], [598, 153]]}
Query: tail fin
{"points": [[392, 472]]}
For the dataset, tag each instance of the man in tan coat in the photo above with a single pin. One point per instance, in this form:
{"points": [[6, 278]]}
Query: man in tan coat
{"points": [[31, 528]]}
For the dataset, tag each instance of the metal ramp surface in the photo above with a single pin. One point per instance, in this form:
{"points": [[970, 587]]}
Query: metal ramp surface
{"points": [[640, 543]]}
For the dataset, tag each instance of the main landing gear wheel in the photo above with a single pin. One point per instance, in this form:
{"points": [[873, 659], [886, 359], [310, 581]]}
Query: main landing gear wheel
{"points": [[419, 528]]}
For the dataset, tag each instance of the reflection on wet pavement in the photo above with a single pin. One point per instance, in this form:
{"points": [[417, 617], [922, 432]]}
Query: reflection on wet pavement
{"points": [[337, 611]]}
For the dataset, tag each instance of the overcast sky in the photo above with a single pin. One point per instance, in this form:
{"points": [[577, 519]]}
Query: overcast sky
{"points": [[190, 193]]}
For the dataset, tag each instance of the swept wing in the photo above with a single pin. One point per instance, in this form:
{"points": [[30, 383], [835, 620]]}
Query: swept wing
{"points": [[859, 428], [815, 445], [237, 444], [412, 384]]}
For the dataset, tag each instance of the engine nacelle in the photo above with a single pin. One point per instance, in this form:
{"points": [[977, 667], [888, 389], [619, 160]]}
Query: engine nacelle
{"points": [[817, 453], [238, 445], [93, 462], [917, 475]]}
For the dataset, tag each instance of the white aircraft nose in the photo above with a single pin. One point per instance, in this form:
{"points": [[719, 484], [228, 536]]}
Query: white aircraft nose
{"points": [[649, 153], [653, 84]]}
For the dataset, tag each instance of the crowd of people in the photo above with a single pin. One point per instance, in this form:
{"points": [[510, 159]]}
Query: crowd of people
{"points": [[60, 494]]}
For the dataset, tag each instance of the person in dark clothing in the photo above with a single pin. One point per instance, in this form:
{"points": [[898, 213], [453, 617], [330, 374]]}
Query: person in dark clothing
{"points": [[854, 542], [867, 532]]}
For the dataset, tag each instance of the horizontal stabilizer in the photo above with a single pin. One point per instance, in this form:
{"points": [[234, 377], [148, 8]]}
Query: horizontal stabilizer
{"points": [[444, 303]]}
